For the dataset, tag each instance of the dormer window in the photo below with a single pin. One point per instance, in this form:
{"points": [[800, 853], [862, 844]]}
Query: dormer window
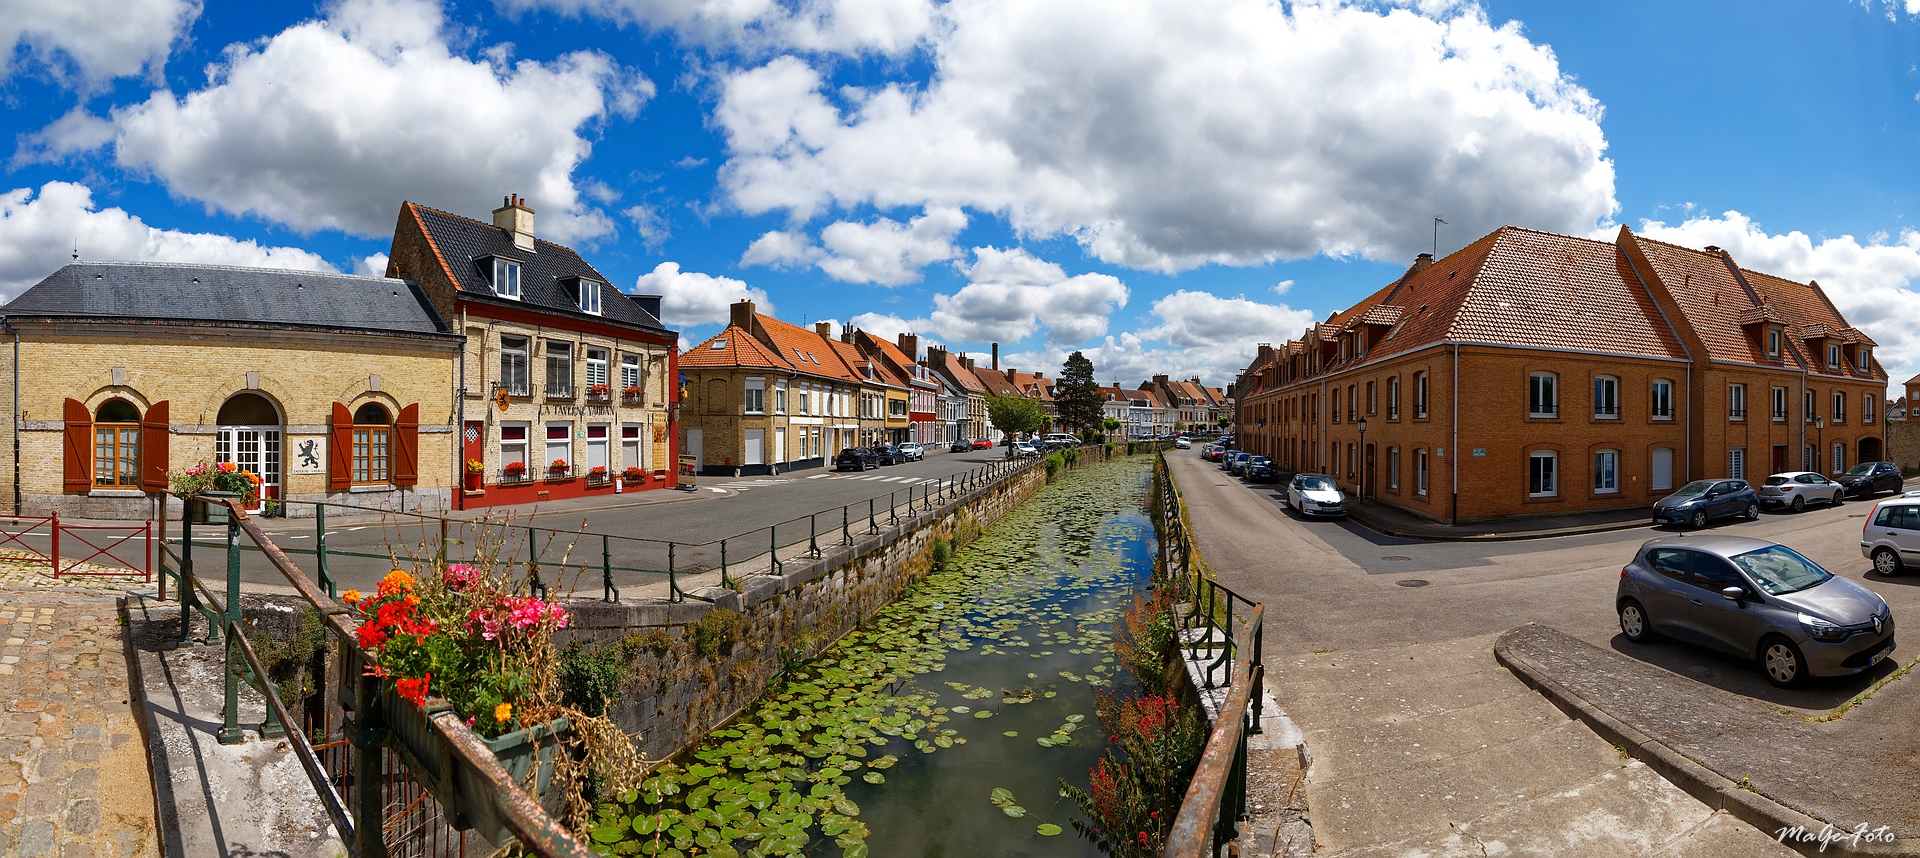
{"points": [[1866, 357], [1773, 341], [506, 278], [588, 291], [1833, 355]]}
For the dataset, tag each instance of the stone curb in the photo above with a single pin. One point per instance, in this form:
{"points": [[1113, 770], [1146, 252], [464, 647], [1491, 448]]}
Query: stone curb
{"points": [[1710, 787], [1434, 535]]}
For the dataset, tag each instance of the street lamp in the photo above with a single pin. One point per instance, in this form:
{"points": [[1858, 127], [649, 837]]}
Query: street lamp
{"points": [[1819, 440], [1360, 479]]}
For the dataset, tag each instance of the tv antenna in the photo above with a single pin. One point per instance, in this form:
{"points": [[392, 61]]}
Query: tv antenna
{"points": [[1436, 235]]}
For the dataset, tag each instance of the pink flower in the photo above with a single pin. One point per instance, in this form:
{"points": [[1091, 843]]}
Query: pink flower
{"points": [[485, 623], [525, 612], [459, 576], [558, 615]]}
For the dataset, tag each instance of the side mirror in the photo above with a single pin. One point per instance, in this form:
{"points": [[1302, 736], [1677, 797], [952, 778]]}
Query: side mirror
{"points": [[1733, 594]]}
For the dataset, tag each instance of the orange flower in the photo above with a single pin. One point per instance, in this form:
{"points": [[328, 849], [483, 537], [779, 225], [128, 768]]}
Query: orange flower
{"points": [[395, 583], [351, 597], [502, 712]]}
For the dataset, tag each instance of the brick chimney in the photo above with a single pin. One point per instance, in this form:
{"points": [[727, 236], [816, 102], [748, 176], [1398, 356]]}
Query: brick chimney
{"points": [[1160, 381], [910, 344], [742, 315], [516, 218], [1420, 263], [824, 329], [996, 355], [937, 357]]}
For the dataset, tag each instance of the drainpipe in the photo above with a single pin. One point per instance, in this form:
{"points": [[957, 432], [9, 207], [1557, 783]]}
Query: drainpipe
{"points": [[8, 325], [1454, 512], [459, 489]]}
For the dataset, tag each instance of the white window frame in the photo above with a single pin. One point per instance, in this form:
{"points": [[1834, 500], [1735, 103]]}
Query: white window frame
{"points": [[1393, 468], [516, 449], [598, 450], [1779, 405], [780, 396], [1833, 354], [1737, 402], [589, 296], [1839, 457], [1606, 397], [1393, 397], [630, 374], [559, 368], [1543, 394], [1808, 398], [1537, 487], [1737, 463], [632, 449], [1839, 407], [753, 398], [1808, 457], [1420, 472], [506, 278], [1419, 395], [597, 368], [556, 448], [1660, 399], [1865, 354], [521, 348], [1606, 472], [1773, 342], [1866, 407]]}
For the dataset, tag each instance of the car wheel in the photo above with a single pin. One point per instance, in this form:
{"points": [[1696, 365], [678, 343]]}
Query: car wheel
{"points": [[1699, 519], [1782, 661], [1839, 498], [1886, 561], [1753, 511], [1799, 504], [1634, 623]]}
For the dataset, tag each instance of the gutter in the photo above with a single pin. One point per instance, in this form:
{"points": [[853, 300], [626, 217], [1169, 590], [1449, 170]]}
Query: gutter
{"points": [[7, 324]]}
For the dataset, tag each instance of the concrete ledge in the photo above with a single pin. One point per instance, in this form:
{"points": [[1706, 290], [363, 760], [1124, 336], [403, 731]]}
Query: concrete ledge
{"points": [[1711, 788]]}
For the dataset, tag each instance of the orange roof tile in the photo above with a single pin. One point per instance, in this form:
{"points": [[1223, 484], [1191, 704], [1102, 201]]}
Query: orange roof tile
{"points": [[1809, 314], [732, 347]]}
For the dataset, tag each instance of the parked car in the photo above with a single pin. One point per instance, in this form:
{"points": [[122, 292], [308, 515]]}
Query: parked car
{"points": [[1238, 465], [912, 452], [1891, 535], [888, 454], [1057, 440], [856, 459], [1796, 489], [982, 444], [1026, 450], [1871, 478], [1702, 501], [1313, 494], [960, 445], [1757, 599], [1260, 469], [1182, 443]]}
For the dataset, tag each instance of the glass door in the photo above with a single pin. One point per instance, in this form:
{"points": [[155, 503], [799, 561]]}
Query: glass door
{"points": [[256, 449]]}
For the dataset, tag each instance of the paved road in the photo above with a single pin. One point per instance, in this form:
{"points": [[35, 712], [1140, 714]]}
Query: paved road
{"points": [[1423, 744]]}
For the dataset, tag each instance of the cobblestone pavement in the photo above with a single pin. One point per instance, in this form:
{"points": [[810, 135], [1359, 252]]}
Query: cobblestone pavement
{"points": [[73, 770]]}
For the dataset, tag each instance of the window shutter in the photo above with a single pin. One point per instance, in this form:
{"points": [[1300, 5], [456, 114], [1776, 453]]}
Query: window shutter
{"points": [[406, 442], [78, 446], [154, 435], [340, 450]]}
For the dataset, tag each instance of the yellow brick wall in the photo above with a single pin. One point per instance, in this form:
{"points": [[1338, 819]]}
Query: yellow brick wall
{"points": [[197, 370]]}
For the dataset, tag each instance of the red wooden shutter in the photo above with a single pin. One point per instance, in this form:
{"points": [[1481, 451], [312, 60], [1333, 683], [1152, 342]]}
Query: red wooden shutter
{"points": [[79, 447], [154, 435], [406, 446], [340, 450]]}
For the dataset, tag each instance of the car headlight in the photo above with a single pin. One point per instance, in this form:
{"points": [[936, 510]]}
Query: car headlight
{"points": [[1822, 630]]}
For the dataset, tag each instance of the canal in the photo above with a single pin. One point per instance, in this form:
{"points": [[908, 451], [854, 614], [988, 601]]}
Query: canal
{"points": [[943, 726]]}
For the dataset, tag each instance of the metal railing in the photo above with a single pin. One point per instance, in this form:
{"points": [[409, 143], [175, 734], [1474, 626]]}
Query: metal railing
{"points": [[101, 545], [1221, 631], [366, 821]]}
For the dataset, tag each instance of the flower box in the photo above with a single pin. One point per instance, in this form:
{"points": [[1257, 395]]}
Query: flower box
{"points": [[632, 394], [464, 795], [210, 507]]}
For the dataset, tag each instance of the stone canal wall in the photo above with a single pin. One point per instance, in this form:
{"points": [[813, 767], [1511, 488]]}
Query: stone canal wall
{"points": [[693, 664]]}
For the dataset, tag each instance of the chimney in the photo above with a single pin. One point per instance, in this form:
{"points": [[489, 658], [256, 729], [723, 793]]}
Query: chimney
{"points": [[515, 217], [1160, 381], [742, 315], [1421, 262], [937, 357], [911, 345], [996, 355], [824, 329], [1713, 248], [1266, 350], [649, 303], [966, 361]]}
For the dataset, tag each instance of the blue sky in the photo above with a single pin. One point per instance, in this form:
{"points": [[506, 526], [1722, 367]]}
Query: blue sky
{"points": [[1160, 184]]}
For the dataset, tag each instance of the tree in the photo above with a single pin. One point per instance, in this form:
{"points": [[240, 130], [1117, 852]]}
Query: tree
{"points": [[1112, 425], [1014, 414], [1076, 396], [1225, 421]]}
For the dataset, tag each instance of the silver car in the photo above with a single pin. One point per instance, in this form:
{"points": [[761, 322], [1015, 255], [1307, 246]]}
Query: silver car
{"points": [[1754, 598], [1891, 536], [1312, 494], [1795, 489]]}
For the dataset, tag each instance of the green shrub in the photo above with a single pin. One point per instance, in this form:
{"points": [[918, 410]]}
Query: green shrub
{"points": [[717, 631], [1054, 463], [590, 676], [1129, 448], [289, 663], [942, 550], [655, 641]]}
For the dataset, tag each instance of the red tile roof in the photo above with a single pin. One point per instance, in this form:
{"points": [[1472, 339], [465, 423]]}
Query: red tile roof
{"points": [[736, 347], [1808, 315]]}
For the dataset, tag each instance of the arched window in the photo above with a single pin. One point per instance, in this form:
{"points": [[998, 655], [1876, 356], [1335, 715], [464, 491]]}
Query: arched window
{"points": [[372, 439], [116, 445]]}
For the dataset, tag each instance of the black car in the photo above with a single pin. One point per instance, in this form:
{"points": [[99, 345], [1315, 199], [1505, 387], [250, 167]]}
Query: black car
{"points": [[1260, 469], [888, 454], [1701, 501], [961, 445], [1871, 478], [855, 459]]}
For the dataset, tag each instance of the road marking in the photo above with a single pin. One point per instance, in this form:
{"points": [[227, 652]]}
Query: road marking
{"points": [[888, 479], [716, 491], [818, 476]]}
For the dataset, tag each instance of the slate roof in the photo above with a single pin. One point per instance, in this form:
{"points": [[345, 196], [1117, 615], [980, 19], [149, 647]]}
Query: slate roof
{"points": [[464, 244], [218, 293]]}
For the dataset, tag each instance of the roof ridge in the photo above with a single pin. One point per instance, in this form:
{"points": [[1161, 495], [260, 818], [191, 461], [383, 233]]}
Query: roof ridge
{"points": [[1495, 241], [477, 222], [212, 267]]}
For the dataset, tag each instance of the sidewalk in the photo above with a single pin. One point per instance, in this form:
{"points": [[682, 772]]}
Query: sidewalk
{"points": [[1393, 522]]}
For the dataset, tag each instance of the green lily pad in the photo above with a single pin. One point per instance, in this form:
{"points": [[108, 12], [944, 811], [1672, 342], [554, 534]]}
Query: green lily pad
{"points": [[1014, 810], [1047, 829], [984, 713], [874, 778]]}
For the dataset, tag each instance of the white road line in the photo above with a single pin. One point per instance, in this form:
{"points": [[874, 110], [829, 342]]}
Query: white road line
{"points": [[818, 476], [888, 479]]}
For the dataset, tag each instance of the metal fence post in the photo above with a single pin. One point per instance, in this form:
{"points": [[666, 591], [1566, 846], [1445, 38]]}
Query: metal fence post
{"points": [[606, 569], [230, 718], [534, 585], [873, 523], [846, 527], [369, 774], [320, 548], [55, 517], [813, 535], [673, 583], [187, 595], [773, 547], [893, 507]]}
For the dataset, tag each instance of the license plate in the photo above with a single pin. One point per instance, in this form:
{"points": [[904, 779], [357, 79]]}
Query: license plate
{"points": [[1879, 657]]}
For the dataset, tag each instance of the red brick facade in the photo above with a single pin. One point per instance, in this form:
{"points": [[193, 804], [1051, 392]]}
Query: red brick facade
{"points": [[1532, 374]]}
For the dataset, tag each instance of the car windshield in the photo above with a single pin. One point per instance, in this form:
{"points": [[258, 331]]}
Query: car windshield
{"points": [[1777, 481], [1694, 489], [1260, 460], [1779, 570], [1316, 484], [1862, 468]]}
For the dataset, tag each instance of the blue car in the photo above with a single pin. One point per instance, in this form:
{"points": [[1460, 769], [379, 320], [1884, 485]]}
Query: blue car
{"points": [[1703, 501]]}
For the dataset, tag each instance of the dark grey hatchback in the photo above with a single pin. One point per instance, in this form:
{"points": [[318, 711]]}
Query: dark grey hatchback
{"points": [[1755, 599], [1701, 501]]}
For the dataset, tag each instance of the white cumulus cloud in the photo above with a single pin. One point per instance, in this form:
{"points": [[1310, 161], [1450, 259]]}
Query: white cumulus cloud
{"points": [[689, 298], [332, 122], [830, 26], [39, 231], [1167, 134], [885, 251], [1873, 283], [1011, 294], [93, 41]]}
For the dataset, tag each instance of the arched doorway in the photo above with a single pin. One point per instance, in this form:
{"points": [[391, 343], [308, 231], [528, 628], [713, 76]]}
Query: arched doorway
{"points": [[1870, 450], [248, 434]]}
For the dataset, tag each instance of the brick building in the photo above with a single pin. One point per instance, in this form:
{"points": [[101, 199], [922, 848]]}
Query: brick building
{"points": [[1531, 373], [331, 388], [916, 384], [563, 375], [766, 396], [958, 372]]}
